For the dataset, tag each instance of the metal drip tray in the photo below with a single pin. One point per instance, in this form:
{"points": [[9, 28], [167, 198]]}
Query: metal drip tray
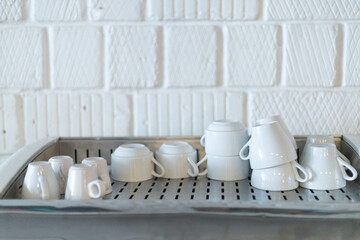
{"points": [[167, 200]]}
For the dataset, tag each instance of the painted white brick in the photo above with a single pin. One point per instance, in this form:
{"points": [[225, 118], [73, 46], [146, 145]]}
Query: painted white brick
{"points": [[58, 10], [313, 9], [77, 57], [133, 56], [309, 112], [132, 10], [21, 57], [311, 55], [352, 59], [11, 10], [11, 123], [76, 114], [253, 53], [191, 56], [176, 113], [236, 106], [202, 9]]}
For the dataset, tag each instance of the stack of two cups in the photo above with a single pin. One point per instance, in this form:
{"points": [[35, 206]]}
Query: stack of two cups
{"points": [[222, 141], [272, 155]]}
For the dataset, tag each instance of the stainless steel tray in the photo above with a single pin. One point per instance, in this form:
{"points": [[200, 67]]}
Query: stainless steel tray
{"points": [[166, 200]]}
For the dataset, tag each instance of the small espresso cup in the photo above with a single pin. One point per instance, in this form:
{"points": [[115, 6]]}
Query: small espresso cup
{"points": [[280, 178], [278, 118], [178, 159], [83, 183], [61, 165], [326, 169], [224, 168], [134, 163], [102, 170], [269, 146], [224, 138], [40, 182], [318, 139]]}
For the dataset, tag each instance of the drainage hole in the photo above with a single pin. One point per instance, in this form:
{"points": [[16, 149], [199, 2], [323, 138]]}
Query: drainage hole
{"points": [[282, 191], [311, 191], [116, 196], [112, 184], [253, 197], [208, 190], [348, 197], [285, 198], [121, 190], [342, 190], [125, 184], [249, 178], [250, 184], [191, 197], [193, 190], [208, 184], [164, 190], [99, 153], [153, 184], [331, 196], [222, 184], [269, 197], [317, 199], [135, 190], [168, 179], [194, 184], [238, 197], [162, 196], [222, 197], [179, 189], [182, 179], [139, 184], [156, 178], [196, 178], [131, 196], [267, 191], [87, 152], [207, 197], [176, 197], [296, 191], [111, 151], [236, 184], [252, 190], [150, 190], [167, 184], [146, 196], [180, 184], [327, 191], [237, 190], [301, 198], [222, 190]]}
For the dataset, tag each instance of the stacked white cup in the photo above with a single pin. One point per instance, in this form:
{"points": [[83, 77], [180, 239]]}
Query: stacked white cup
{"points": [[272, 155], [223, 140]]}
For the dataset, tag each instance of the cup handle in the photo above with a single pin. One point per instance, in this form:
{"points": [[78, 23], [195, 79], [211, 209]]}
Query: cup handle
{"points": [[44, 188], [106, 179], [204, 159], [96, 189], [194, 167], [160, 166], [241, 153], [202, 141], [348, 166], [297, 167], [342, 156]]}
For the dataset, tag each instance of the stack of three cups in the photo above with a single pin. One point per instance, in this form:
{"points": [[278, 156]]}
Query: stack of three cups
{"points": [[273, 154], [223, 140]]}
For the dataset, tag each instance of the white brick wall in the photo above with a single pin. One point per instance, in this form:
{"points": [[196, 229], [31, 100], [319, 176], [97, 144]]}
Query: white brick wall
{"points": [[170, 67]]}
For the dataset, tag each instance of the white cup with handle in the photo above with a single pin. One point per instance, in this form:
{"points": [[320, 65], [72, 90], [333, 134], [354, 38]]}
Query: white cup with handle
{"points": [[278, 118], [269, 146], [326, 169], [83, 183], [61, 165], [280, 178], [102, 170], [40, 182], [224, 138], [134, 163], [225, 168], [178, 159], [318, 139]]}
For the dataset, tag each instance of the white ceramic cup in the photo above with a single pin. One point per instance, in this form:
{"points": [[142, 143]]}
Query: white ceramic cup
{"points": [[179, 160], [134, 163], [318, 139], [102, 170], [277, 118], [326, 169], [83, 183], [269, 147], [224, 138], [61, 165], [225, 168], [40, 182], [280, 178]]}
